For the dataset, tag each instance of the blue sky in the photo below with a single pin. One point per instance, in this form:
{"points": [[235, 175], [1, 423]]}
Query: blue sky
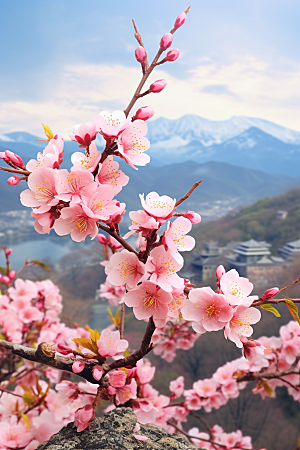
{"points": [[62, 61]]}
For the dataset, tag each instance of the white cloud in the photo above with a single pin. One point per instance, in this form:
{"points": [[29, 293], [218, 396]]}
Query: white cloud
{"points": [[244, 87]]}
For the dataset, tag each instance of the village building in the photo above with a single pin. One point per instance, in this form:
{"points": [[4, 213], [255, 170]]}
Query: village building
{"points": [[290, 250]]}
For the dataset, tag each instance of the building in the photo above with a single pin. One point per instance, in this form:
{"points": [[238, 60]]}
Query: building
{"points": [[203, 266], [290, 250], [281, 215]]}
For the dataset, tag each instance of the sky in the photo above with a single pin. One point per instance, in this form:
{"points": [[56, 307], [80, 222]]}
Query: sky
{"points": [[63, 61]]}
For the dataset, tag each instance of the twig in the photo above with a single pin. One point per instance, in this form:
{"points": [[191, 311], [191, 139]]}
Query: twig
{"points": [[192, 413], [122, 321], [10, 392], [18, 171], [182, 199], [275, 301], [289, 285], [287, 382], [267, 376], [118, 238], [140, 41]]}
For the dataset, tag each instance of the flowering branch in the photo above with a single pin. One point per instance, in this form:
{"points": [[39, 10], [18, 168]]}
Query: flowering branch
{"points": [[119, 238], [18, 171]]}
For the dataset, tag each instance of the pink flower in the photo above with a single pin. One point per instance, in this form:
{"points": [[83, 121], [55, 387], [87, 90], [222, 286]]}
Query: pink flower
{"points": [[236, 289], [174, 238], [75, 221], [97, 372], [149, 300], [78, 367], [42, 190], [45, 221], [50, 158], [159, 207], [109, 174], [144, 113], [207, 309], [239, 324], [270, 293], [205, 388], [220, 272], [24, 290], [177, 387], [15, 159], [180, 20], [163, 267], [141, 221], [111, 125], [132, 144], [192, 216], [124, 393], [140, 54], [144, 410], [82, 161], [117, 378], [14, 435], [110, 343], [30, 314], [99, 205], [177, 302], [13, 181], [251, 348], [145, 371], [72, 186], [166, 41], [83, 417], [114, 294], [124, 268], [192, 400], [84, 134]]}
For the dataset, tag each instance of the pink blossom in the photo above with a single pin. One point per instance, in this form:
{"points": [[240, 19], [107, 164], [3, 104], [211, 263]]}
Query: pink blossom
{"points": [[50, 158], [45, 221], [75, 221], [24, 291], [140, 54], [220, 272], [207, 308], [270, 293], [180, 20], [88, 162], [192, 216], [110, 343], [139, 437], [132, 144], [111, 125], [14, 435], [177, 387], [125, 268], [83, 416], [114, 294], [30, 314], [99, 205], [159, 207], [72, 186], [200, 435], [172, 55], [141, 221], [163, 267], [144, 411], [149, 300], [117, 216], [13, 181], [84, 134], [205, 388], [42, 190], [174, 238], [239, 324], [144, 113], [97, 372], [251, 348], [145, 371], [236, 289], [15, 159], [109, 174], [124, 393], [176, 304], [78, 366], [117, 378], [166, 41], [192, 400]]}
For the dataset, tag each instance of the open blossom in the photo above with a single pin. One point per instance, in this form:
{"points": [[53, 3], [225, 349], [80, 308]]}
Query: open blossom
{"points": [[110, 125], [14, 435], [148, 300], [99, 205], [23, 292], [42, 191], [109, 174], [178, 300], [117, 378], [82, 161], [163, 267], [75, 221], [72, 186], [45, 221], [132, 144], [124, 393], [83, 416], [50, 158], [124, 268], [110, 343], [239, 324], [174, 238], [159, 207], [236, 289], [144, 410], [29, 314], [141, 221], [251, 348], [207, 309], [114, 294], [177, 387], [145, 371], [84, 134]]}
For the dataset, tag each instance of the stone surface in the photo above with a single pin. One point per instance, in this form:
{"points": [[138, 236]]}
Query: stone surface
{"points": [[114, 431]]}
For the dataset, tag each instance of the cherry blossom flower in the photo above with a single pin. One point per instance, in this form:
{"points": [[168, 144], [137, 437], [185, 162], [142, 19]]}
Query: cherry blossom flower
{"points": [[84, 134], [124, 268], [132, 144], [145, 371], [148, 300], [45, 221], [83, 416], [117, 378], [159, 207], [174, 238], [110, 343], [141, 222], [14, 435], [177, 387], [72, 186], [75, 221], [239, 324], [110, 125], [144, 410], [207, 309], [24, 291], [178, 300], [251, 348], [82, 161], [236, 289], [163, 267], [29, 314], [108, 173], [99, 205], [50, 158], [114, 294], [42, 190], [124, 393]]}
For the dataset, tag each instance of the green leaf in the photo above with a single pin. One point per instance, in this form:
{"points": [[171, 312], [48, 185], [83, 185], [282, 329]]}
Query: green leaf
{"points": [[2, 270], [292, 309], [267, 388], [270, 308], [126, 353], [26, 419], [2, 337], [109, 312], [39, 263], [86, 343]]}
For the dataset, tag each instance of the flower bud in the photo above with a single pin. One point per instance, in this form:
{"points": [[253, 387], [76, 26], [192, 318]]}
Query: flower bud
{"points": [[144, 113], [5, 279], [12, 274], [172, 55], [3, 156], [192, 216], [102, 239], [180, 20], [158, 85], [15, 159], [270, 293], [12, 181], [166, 41], [97, 372], [8, 251], [63, 349], [140, 54], [220, 272]]}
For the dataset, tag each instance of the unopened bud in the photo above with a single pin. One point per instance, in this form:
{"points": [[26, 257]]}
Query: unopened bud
{"points": [[158, 85], [12, 274], [180, 20], [15, 159], [140, 54], [172, 55], [3, 156], [144, 113], [63, 349], [12, 181], [166, 41], [102, 239], [270, 293], [192, 216], [8, 251], [220, 272], [5, 279]]}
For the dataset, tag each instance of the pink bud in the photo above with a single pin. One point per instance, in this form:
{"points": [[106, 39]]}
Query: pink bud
{"points": [[102, 239], [270, 293], [12, 181], [158, 86], [140, 54], [117, 378], [144, 113], [3, 156], [12, 274], [172, 55], [220, 272], [5, 279], [8, 251], [83, 416], [78, 366], [192, 216], [64, 350], [97, 372], [180, 20], [166, 41], [15, 159]]}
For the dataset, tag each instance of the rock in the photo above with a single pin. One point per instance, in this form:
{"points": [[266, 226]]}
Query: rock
{"points": [[114, 431]]}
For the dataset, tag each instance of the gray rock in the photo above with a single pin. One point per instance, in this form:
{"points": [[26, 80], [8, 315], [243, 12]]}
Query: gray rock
{"points": [[114, 431]]}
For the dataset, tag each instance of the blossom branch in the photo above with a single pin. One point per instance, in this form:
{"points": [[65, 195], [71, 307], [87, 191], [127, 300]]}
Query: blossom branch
{"points": [[273, 301], [18, 171], [118, 238], [186, 196], [140, 41], [268, 376]]}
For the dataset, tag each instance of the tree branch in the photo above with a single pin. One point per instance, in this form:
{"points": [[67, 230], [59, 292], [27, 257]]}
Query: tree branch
{"points": [[268, 376], [182, 199], [118, 238], [273, 301], [18, 171]]}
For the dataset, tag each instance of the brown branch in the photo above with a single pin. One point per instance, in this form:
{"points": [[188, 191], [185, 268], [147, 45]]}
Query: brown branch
{"points": [[275, 301], [181, 200], [122, 321], [140, 41], [289, 285], [118, 238], [18, 171], [192, 413], [10, 392], [267, 376]]}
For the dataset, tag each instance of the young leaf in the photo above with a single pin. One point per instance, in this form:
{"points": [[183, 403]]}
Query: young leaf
{"points": [[2, 270], [2, 337], [86, 343], [267, 388], [270, 308], [25, 418], [48, 132], [126, 353], [109, 312], [292, 309], [39, 263]]}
